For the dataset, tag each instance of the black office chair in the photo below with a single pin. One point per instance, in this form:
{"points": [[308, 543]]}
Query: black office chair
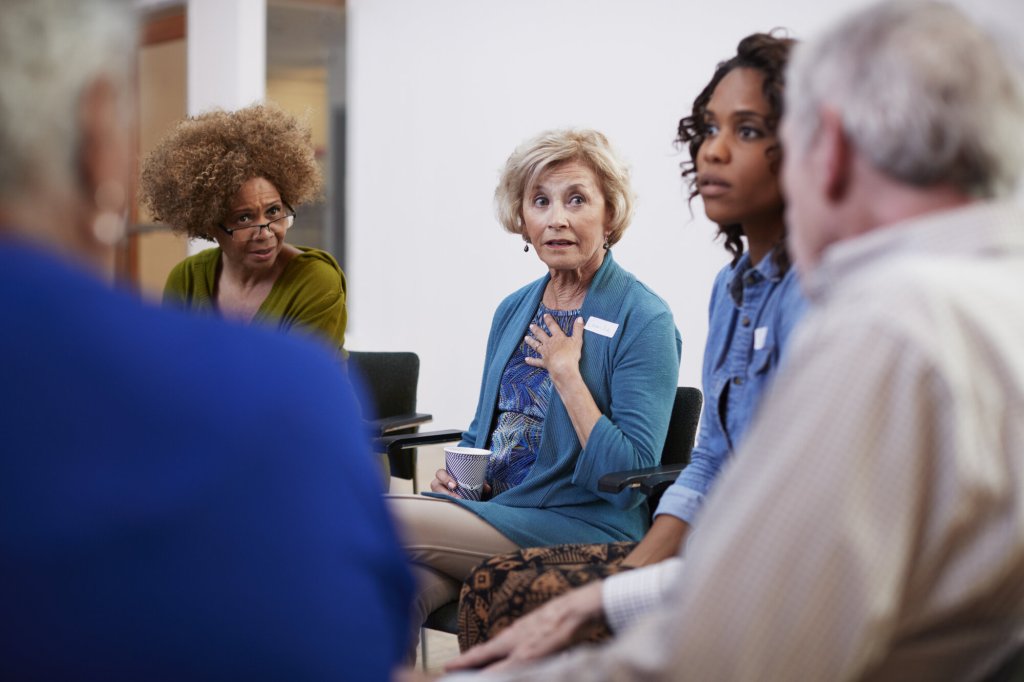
{"points": [[652, 481], [682, 432], [390, 379]]}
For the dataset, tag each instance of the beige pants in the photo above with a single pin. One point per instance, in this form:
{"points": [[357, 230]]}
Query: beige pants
{"points": [[445, 542]]}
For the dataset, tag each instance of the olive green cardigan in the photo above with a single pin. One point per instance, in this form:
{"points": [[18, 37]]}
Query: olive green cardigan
{"points": [[309, 296]]}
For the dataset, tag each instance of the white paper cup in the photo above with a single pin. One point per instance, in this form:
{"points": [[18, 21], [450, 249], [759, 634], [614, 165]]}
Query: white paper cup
{"points": [[468, 466]]}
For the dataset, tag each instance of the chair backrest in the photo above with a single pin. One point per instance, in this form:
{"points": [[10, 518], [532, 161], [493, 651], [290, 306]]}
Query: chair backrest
{"points": [[390, 380], [682, 426], [682, 434]]}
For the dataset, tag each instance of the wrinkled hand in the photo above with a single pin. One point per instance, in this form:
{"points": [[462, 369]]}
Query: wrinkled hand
{"points": [[559, 354], [446, 484], [557, 625]]}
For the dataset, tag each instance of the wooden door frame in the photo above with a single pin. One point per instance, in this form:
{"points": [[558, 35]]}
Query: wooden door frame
{"points": [[162, 27]]}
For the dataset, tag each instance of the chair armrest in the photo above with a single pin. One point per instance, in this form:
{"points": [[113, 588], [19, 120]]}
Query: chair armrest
{"points": [[647, 481], [386, 425], [393, 444]]}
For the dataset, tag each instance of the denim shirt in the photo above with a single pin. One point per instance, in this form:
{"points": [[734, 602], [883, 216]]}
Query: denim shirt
{"points": [[752, 312]]}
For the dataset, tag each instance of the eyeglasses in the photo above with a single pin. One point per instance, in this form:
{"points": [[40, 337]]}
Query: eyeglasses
{"points": [[244, 233]]}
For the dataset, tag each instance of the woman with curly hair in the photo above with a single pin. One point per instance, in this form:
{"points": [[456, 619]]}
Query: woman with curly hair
{"points": [[236, 178], [731, 134]]}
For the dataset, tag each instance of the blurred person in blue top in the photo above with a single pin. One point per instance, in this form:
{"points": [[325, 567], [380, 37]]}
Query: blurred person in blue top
{"points": [[731, 134], [173, 507], [579, 377]]}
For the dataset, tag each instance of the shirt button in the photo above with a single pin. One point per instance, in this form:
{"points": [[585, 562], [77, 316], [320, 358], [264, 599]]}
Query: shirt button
{"points": [[737, 381], [746, 321]]}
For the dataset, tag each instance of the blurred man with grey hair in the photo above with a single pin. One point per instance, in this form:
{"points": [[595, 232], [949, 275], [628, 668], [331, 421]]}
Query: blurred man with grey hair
{"points": [[872, 526], [169, 508]]}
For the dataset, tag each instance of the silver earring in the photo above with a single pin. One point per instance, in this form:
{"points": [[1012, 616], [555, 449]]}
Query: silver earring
{"points": [[526, 247], [607, 245]]}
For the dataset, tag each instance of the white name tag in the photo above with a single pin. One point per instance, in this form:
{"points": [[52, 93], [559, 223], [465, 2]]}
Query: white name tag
{"points": [[602, 327], [760, 336]]}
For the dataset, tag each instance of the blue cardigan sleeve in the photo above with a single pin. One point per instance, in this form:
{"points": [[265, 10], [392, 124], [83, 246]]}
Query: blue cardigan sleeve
{"points": [[631, 433]]}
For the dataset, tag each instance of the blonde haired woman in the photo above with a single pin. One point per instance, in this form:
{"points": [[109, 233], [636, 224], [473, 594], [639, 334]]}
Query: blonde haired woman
{"points": [[579, 377]]}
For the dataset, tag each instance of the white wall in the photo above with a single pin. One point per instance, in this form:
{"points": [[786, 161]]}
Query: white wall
{"points": [[227, 60], [227, 53], [441, 91]]}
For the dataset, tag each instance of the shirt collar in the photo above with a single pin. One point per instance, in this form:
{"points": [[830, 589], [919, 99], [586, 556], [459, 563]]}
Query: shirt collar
{"points": [[743, 274], [983, 226]]}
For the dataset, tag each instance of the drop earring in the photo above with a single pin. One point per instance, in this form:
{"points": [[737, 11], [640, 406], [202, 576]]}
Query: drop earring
{"points": [[526, 247], [108, 227], [607, 245]]}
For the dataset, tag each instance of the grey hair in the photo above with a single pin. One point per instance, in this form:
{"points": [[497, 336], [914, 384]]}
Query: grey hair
{"points": [[552, 147], [923, 92], [50, 51]]}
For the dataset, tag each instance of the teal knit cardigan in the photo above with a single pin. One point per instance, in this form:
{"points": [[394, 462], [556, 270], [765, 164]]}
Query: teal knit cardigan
{"points": [[632, 377]]}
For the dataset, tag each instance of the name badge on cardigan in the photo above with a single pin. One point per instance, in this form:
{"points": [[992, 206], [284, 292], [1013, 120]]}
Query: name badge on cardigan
{"points": [[602, 327]]}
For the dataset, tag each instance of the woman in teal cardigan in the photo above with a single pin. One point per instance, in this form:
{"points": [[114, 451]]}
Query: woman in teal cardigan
{"points": [[579, 378]]}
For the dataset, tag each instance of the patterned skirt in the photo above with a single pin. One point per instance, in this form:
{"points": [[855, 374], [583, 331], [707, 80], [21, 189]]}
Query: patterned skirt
{"points": [[508, 586]]}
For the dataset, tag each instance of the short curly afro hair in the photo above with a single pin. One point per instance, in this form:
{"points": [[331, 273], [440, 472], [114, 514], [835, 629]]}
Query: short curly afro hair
{"points": [[189, 179]]}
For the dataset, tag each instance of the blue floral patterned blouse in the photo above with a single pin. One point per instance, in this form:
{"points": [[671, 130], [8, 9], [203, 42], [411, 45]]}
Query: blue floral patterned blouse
{"points": [[522, 404]]}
